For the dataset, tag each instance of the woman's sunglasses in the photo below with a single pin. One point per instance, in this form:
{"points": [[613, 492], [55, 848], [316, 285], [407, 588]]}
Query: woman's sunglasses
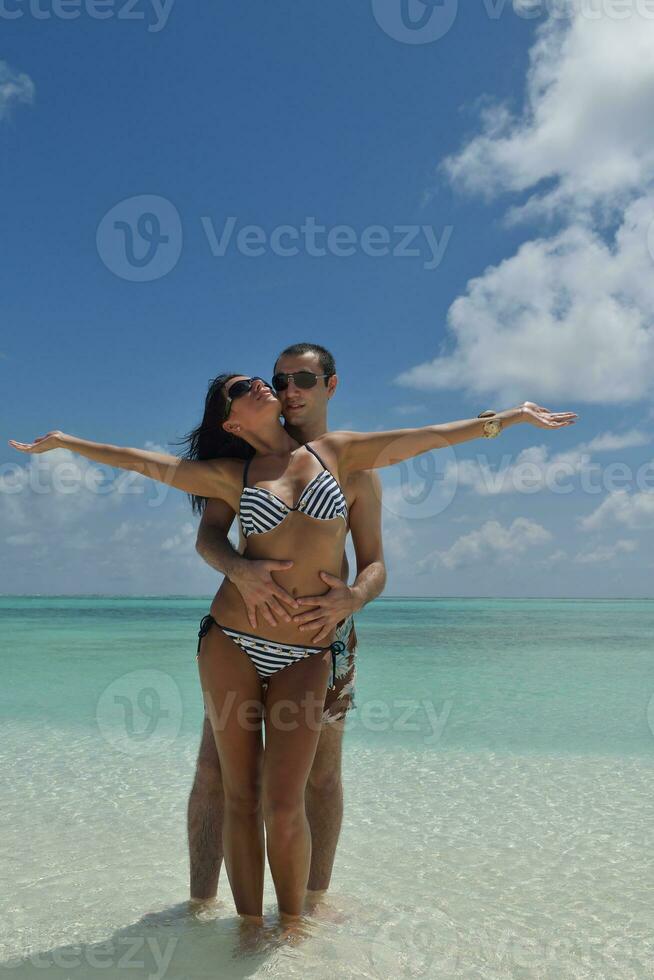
{"points": [[303, 379], [237, 390]]}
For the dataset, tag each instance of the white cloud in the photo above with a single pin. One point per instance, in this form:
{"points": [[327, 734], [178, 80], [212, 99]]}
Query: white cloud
{"points": [[122, 532], [50, 491], [632, 510], [606, 552], [586, 121], [568, 317], [14, 87], [28, 539], [70, 525], [606, 441], [555, 558], [534, 468], [491, 542], [183, 542]]}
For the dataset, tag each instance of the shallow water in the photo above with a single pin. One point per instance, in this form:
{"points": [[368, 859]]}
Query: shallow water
{"points": [[498, 778]]}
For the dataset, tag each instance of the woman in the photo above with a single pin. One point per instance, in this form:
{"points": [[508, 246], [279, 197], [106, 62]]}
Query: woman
{"points": [[289, 501]]}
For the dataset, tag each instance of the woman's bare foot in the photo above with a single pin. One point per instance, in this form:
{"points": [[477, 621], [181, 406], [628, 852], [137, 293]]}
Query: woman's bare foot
{"points": [[251, 933], [250, 920], [294, 928]]}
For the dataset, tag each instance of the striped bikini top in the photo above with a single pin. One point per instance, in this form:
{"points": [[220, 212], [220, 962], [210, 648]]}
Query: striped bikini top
{"points": [[261, 510]]}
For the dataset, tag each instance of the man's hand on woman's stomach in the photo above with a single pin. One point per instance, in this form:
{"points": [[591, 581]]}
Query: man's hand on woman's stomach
{"points": [[266, 600], [263, 586], [280, 566], [322, 613], [260, 592]]}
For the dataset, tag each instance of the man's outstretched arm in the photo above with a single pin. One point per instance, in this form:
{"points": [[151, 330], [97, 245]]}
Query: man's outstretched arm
{"points": [[252, 578], [342, 599]]}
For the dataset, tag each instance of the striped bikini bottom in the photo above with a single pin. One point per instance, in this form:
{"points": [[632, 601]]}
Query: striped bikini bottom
{"points": [[269, 656]]}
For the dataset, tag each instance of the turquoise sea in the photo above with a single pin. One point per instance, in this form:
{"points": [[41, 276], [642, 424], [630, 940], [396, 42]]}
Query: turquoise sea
{"points": [[499, 785]]}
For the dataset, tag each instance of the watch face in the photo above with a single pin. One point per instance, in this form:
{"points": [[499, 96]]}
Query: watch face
{"points": [[493, 427]]}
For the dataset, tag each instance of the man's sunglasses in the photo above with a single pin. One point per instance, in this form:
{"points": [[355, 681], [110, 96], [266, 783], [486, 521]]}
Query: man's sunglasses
{"points": [[303, 379], [237, 390]]}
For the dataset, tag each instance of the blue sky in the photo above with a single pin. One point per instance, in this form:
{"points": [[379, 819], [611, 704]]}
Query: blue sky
{"points": [[515, 152]]}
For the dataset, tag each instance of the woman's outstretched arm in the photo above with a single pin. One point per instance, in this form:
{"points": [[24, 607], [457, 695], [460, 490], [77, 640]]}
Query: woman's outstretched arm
{"points": [[206, 478], [370, 450]]}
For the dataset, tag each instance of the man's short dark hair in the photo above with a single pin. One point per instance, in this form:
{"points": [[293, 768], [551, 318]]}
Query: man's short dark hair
{"points": [[327, 362]]}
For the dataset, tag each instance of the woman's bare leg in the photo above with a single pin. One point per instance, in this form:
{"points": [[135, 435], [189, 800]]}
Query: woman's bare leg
{"points": [[232, 696], [293, 716]]}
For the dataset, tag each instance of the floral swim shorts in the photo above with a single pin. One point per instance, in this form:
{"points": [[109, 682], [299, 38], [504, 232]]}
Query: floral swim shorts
{"points": [[340, 698]]}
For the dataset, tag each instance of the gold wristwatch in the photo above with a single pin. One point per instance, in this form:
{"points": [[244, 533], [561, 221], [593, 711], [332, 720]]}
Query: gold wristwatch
{"points": [[493, 427]]}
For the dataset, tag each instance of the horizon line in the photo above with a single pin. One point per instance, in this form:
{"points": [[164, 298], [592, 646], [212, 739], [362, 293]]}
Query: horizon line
{"points": [[176, 595]]}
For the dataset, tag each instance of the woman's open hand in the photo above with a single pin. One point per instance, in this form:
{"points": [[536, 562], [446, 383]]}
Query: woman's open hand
{"points": [[51, 440], [544, 418]]}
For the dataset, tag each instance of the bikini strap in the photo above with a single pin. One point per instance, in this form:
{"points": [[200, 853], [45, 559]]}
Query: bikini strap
{"points": [[323, 464], [245, 471], [312, 450]]}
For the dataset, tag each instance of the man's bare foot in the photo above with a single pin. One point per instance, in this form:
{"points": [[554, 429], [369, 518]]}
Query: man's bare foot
{"points": [[318, 906], [313, 899], [197, 906]]}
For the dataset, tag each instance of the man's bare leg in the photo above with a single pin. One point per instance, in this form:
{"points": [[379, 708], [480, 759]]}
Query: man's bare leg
{"points": [[205, 820], [324, 808], [324, 805]]}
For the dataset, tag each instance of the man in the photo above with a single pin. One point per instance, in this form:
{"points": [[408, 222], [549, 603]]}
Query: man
{"points": [[305, 412]]}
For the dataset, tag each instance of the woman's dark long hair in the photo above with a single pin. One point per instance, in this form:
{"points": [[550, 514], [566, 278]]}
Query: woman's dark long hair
{"points": [[209, 440]]}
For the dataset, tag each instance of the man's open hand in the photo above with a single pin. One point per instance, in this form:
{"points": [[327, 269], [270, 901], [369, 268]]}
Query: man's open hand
{"points": [[260, 592]]}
